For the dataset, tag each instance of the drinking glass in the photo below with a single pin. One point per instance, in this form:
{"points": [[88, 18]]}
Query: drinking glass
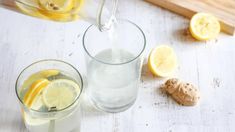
{"points": [[37, 117], [114, 61]]}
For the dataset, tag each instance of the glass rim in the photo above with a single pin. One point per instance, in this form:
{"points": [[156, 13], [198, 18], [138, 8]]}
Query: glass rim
{"points": [[48, 60], [126, 62]]}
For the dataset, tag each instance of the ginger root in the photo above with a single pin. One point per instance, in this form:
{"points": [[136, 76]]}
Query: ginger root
{"points": [[183, 93]]}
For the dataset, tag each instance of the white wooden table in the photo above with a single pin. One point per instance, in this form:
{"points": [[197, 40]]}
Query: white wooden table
{"points": [[209, 65]]}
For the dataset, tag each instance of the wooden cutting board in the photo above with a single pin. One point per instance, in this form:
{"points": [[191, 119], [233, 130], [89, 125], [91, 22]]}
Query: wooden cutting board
{"points": [[224, 10]]}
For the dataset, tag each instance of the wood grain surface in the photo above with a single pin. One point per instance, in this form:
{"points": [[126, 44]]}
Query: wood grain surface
{"points": [[224, 10], [209, 65]]}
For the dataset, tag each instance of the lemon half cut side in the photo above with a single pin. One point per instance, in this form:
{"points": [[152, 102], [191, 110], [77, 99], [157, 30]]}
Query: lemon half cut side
{"points": [[204, 26], [162, 61]]}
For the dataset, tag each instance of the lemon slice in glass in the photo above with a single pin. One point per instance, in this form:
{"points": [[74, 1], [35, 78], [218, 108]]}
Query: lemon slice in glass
{"points": [[60, 93], [34, 91], [49, 72], [204, 26], [162, 61]]}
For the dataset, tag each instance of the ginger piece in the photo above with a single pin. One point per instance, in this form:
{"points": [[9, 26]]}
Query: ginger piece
{"points": [[183, 93]]}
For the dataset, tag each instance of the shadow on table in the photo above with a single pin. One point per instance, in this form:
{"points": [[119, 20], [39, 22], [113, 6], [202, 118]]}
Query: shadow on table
{"points": [[148, 80], [146, 74], [88, 109], [184, 36]]}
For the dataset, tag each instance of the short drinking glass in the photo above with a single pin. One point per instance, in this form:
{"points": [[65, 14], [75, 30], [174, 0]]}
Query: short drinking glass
{"points": [[49, 93], [114, 61]]}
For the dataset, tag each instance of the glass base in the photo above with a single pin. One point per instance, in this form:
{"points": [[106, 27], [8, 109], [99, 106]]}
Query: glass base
{"points": [[101, 107]]}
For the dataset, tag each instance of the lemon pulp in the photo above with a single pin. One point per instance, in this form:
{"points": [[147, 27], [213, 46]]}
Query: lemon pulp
{"points": [[60, 93], [162, 61], [204, 26]]}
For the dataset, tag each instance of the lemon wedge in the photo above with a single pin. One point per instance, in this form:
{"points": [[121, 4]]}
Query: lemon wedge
{"points": [[204, 26], [60, 93], [34, 91], [162, 61]]}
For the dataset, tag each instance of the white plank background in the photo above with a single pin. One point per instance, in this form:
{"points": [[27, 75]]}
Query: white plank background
{"points": [[209, 65]]}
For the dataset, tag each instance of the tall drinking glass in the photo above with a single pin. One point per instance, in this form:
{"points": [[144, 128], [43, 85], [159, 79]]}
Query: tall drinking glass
{"points": [[49, 95], [114, 61]]}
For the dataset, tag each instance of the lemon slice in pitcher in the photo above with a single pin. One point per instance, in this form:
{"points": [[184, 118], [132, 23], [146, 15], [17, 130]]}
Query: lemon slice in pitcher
{"points": [[60, 93], [204, 26], [57, 5], [61, 10]]}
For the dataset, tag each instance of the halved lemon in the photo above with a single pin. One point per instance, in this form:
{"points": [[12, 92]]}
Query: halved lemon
{"points": [[204, 26], [162, 61], [60, 93], [34, 91]]}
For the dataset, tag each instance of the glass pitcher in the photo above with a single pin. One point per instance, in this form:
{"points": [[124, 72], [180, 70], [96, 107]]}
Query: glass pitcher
{"points": [[97, 12]]}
